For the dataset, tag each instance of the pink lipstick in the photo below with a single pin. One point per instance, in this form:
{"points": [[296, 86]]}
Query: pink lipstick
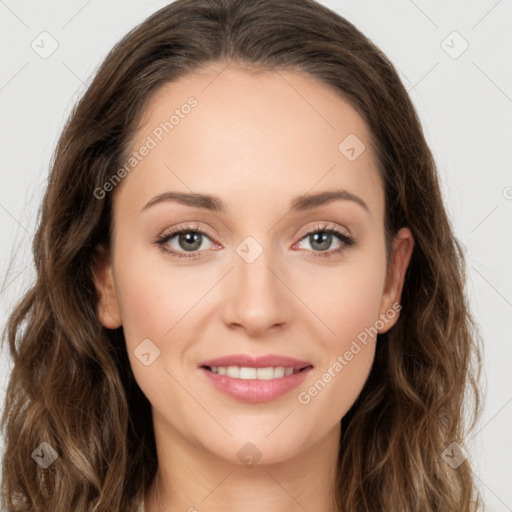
{"points": [[255, 379]]}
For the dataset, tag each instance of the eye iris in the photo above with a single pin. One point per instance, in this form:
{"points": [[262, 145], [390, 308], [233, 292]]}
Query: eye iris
{"points": [[325, 237], [190, 237]]}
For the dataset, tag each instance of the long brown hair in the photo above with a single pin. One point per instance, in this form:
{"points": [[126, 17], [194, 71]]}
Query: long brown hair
{"points": [[71, 385]]}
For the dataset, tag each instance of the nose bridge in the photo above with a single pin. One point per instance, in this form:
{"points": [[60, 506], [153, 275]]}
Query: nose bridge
{"points": [[256, 299]]}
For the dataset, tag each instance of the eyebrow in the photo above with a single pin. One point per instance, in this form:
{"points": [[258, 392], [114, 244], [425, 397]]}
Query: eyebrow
{"points": [[215, 204]]}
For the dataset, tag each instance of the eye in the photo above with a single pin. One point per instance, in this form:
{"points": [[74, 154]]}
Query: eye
{"points": [[188, 239], [320, 239]]}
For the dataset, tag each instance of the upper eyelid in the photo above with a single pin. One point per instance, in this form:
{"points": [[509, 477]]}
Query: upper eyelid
{"points": [[327, 227]]}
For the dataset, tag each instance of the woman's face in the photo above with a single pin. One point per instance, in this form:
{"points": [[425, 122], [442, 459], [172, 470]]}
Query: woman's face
{"points": [[265, 165]]}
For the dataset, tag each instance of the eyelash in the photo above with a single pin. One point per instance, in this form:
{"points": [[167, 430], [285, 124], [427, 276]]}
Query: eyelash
{"points": [[346, 240]]}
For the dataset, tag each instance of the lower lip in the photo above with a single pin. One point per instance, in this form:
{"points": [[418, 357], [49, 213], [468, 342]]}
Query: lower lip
{"points": [[255, 390]]}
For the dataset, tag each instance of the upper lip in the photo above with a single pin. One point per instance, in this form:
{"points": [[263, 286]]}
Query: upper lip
{"points": [[249, 361]]}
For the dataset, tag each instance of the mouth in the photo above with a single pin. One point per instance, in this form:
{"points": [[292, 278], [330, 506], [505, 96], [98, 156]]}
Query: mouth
{"points": [[250, 379], [254, 379]]}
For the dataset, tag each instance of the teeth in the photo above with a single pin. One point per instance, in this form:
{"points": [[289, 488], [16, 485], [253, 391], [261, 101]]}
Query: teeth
{"points": [[245, 373], [265, 373], [279, 372]]}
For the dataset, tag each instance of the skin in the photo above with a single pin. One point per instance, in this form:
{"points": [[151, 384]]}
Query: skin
{"points": [[255, 140]]}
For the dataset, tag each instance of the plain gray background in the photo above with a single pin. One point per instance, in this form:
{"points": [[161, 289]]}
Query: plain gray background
{"points": [[463, 96]]}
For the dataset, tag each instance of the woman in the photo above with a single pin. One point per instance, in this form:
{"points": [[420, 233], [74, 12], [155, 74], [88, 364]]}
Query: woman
{"points": [[310, 349]]}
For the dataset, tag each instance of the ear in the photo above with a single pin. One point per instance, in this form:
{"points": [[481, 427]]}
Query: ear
{"points": [[403, 245], [107, 308]]}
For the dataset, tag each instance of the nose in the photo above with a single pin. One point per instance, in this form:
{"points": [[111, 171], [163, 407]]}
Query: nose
{"points": [[257, 299]]}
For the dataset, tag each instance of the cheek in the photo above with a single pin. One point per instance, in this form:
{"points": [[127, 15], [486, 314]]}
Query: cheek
{"points": [[163, 304], [349, 347], [347, 299], [144, 308], [328, 396], [154, 295], [149, 306]]}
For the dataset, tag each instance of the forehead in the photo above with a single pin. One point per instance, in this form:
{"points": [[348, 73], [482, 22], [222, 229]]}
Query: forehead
{"points": [[238, 134]]}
